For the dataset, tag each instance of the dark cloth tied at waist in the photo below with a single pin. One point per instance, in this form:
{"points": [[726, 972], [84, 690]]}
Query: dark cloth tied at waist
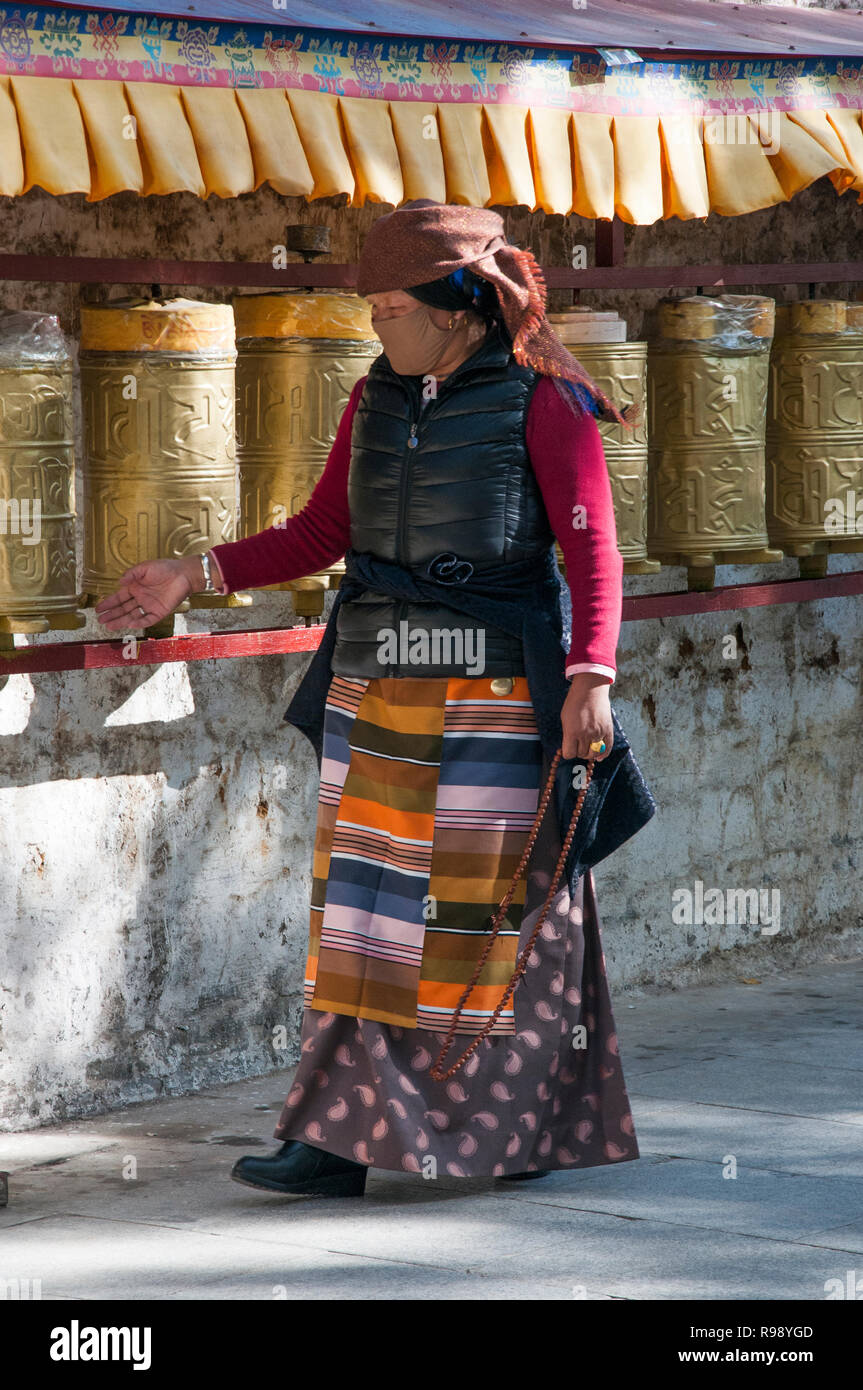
{"points": [[525, 599]]}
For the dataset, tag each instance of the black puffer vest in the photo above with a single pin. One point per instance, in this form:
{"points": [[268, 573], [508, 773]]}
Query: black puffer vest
{"points": [[450, 476]]}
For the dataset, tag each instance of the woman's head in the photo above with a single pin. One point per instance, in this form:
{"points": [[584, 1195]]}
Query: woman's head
{"points": [[440, 250], [446, 320]]}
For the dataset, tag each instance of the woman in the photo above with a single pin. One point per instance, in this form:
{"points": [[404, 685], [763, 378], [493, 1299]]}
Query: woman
{"points": [[436, 703]]}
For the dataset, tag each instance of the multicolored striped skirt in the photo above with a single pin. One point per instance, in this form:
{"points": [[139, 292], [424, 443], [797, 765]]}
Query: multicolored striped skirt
{"points": [[428, 791]]}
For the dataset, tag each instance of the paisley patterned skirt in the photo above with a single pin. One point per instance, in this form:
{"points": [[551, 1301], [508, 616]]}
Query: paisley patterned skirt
{"points": [[428, 789]]}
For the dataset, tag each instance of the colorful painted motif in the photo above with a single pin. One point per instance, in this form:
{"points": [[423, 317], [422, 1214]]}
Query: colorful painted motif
{"points": [[51, 42]]}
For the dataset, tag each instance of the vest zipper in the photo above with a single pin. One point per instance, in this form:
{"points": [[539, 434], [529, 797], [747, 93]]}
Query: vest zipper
{"points": [[413, 441], [401, 542], [404, 493]]}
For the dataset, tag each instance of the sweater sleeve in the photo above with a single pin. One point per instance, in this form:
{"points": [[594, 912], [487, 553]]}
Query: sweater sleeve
{"points": [[569, 463], [315, 537]]}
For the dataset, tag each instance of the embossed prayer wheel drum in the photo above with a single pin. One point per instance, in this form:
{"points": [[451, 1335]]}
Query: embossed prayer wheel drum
{"points": [[299, 356], [619, 368], [160, 471], [815, 431], [37, 477], [707, 375]]}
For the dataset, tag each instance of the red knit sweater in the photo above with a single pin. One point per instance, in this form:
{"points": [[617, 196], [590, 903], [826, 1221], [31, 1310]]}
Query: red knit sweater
{"points": [[569, 463]]}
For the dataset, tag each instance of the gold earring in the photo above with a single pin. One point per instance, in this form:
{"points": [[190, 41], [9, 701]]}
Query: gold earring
{"points": [[451, 323]]}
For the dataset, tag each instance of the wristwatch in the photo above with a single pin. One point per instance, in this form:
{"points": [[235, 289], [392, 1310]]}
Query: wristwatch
{"points": [[209, 586]]}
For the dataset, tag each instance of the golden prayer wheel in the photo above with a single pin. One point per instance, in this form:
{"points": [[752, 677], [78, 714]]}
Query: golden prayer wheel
{"points": [[299, 357], [620, 370], [37, 478], [815, 431], [707, 376], [598, 340], [160, 475]]}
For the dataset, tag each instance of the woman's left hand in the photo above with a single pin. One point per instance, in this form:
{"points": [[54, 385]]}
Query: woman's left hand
{"points": [[586, 716]]}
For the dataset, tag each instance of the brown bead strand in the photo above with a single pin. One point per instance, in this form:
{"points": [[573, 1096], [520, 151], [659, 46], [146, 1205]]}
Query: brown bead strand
{"points": [[497, 922]]}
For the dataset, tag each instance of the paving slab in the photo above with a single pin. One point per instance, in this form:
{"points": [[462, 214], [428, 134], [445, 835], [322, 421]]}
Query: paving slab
{"points": [[778, 1143], [688, 1193], [650, 1260], [841, 1237], [83, 1257], [773, 1087]]}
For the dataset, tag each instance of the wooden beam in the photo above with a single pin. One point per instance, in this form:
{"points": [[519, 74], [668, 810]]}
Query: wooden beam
{"points": [[714, 276], [111, 271], [260, 274]]}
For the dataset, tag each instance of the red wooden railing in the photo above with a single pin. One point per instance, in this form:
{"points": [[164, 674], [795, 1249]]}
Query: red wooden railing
{"points": [[277, 641]]}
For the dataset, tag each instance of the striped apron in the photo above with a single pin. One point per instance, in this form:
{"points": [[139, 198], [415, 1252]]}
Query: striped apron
{"points": [[428, 791]]}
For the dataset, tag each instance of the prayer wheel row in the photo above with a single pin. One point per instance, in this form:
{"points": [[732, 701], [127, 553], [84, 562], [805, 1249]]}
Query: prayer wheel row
{"points": [[201, 422], [750, 443], [207, 421], [756, 432], [226, 429]]}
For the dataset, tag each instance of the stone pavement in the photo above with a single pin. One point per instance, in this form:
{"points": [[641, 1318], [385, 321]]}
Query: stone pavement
{"points": [[762, 1079]]}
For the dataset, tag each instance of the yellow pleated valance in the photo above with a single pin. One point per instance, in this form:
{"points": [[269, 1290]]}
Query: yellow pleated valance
{"points": [[70, 135]]}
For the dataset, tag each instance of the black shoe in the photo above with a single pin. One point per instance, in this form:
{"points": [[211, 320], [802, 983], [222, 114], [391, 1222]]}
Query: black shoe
{"points": [[299, 1168], [522, 1177]]}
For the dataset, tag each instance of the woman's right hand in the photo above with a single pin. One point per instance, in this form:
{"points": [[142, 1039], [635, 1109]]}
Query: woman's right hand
{"points": [[150, 591]]}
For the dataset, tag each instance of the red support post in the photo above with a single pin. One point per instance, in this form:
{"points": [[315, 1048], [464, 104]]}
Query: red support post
{"points": [[608, 245]]}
